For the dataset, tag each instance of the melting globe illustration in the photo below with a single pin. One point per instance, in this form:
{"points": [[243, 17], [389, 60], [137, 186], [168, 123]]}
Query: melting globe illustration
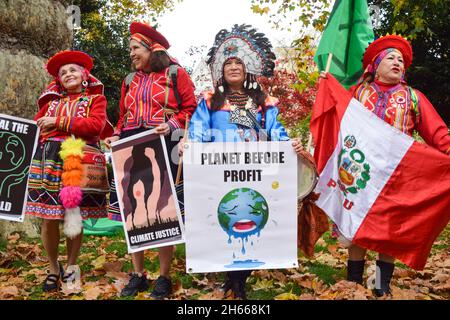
{"points": [[243, 212]]}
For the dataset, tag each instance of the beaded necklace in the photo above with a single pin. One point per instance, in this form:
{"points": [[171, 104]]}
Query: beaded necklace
{"points": [[240, 105], [237, 99], [242, 108]]}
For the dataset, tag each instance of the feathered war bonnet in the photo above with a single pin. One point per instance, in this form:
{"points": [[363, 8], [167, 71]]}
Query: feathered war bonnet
{"points": [[245, 43]]}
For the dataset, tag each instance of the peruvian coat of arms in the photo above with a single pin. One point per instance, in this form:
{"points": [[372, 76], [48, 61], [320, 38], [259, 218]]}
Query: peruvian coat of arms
{"points": [[354, 172]]}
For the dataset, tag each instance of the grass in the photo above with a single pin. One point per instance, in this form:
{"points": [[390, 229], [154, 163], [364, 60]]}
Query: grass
{"points": [[400, 265], [439, 247], [180, 251], [294, 288], [86, 268], [319, 248], [30, 277], [118, 248], [36, 292], [328, 238], [3, 244], [185, 279], [84, 250], [20, 264], [127, 266], [93, 278], [260, 294], [326, 273], [151, 266], [116, 245]]}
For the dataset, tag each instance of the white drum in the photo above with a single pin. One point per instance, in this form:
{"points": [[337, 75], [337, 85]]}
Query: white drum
{"points": [[306, 177]]}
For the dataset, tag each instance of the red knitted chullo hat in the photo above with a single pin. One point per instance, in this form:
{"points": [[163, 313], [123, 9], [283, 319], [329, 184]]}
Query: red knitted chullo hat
{"points": [[389, 41], [66, 57], [149, 32]]}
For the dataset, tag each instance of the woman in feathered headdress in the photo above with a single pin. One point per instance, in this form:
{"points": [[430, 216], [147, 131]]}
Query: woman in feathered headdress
{"points": [[238, 110]]}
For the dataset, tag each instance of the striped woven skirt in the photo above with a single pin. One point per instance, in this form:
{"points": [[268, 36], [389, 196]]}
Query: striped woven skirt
{"points": [[44, 185], [114, 209]]}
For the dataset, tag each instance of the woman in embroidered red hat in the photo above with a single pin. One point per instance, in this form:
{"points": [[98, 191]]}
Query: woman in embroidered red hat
{"points": [[158, 95], [383, 90], [72, 119]]}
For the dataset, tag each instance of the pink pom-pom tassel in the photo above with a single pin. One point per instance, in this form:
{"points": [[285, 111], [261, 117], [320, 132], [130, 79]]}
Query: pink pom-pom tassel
{"points": [[71, 196]]}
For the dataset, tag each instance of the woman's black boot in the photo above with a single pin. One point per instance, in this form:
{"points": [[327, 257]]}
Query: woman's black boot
{"points": [[355, 270], [237, 280], [383, 278]]}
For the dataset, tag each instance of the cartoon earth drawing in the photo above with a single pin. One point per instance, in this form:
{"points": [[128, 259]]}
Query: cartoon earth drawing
{"points": [[12, 152], [243, 212]]}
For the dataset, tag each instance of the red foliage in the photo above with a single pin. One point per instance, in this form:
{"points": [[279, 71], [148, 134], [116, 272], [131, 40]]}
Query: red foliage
{"points": [[295, 104]]}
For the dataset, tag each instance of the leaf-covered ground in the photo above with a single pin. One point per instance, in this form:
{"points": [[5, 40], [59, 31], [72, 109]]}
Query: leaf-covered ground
{"points": [[105, 264]]}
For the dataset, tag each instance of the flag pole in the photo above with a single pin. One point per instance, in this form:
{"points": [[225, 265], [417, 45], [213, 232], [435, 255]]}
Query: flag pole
{"points": [[327, 69], [180, 161], [309, 142], [330, 57]]}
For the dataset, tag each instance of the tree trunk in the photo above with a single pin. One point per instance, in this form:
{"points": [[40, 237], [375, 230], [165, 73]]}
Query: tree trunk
{"points": [[30, 32]]}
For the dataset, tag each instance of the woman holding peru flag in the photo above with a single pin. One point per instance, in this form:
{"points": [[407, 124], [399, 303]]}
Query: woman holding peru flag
{"points": [[384, 191], [68, 177]]}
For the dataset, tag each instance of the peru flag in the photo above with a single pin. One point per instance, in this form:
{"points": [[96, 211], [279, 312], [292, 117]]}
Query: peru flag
{"points": [[385, 191]]}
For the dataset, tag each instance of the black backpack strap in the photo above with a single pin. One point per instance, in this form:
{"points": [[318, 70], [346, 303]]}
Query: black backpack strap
{"points": [[173, 73], [261, 130], [129, 78]]}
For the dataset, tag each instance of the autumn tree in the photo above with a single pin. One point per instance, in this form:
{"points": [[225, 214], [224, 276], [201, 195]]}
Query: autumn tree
{"points": [[307, 12], [294, 84]]}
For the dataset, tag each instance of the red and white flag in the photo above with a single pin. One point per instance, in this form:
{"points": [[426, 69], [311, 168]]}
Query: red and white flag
{"points": [[385, 191]]}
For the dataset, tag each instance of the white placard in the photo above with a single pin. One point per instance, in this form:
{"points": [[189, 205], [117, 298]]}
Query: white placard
{"points": [[240, 206]]}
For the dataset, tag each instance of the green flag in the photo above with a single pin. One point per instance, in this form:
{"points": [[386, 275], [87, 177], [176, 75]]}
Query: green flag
{"points": [[347, 35]]}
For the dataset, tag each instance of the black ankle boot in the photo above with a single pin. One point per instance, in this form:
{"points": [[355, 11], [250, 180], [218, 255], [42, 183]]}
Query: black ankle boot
{"points": [[383, 278], [355, 270], [227, 285]]}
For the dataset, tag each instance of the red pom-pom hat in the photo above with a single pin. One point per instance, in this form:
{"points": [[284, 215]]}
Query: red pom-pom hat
{"points": [[69, 56], [389, 41], [149, 32]]}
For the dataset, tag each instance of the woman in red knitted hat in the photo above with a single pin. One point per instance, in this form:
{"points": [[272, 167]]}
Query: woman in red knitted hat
{"points": [[152, 98], [72, 119], [383, 90]]}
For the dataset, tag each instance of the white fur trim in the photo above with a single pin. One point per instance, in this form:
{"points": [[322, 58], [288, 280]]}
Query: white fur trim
{"points": [[73, 223]]}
